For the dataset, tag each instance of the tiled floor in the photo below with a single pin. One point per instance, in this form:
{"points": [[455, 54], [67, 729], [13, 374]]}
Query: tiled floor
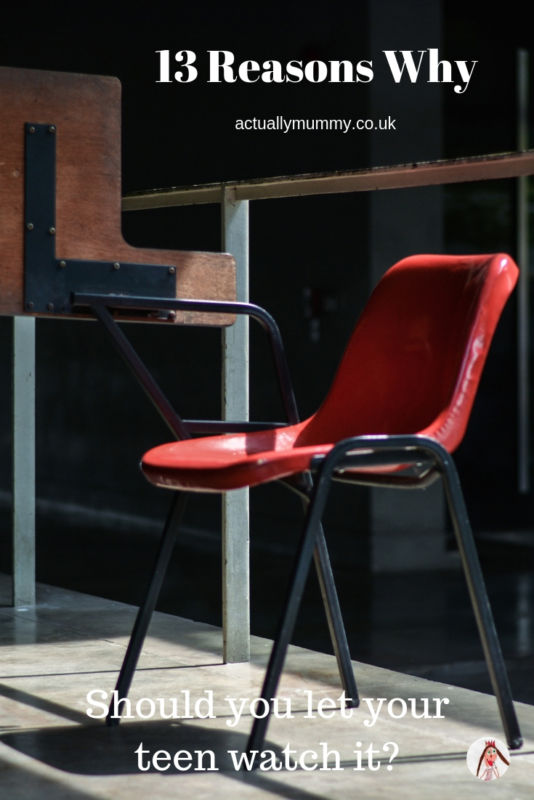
{"points": [[72, 644]]}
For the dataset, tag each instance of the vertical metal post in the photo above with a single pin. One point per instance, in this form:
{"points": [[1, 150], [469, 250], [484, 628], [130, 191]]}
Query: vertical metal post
{"points": [[523, 311], [235, 397], [23, 418]]}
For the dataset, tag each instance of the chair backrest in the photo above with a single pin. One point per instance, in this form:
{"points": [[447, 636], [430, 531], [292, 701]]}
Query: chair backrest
{"points": [[86, 113], [415, 358]]}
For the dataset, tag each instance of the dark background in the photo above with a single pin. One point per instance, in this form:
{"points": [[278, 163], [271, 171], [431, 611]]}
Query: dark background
{"points": [[93, 424]]}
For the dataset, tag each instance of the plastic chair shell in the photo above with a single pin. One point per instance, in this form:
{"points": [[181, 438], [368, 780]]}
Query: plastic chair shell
{"points": [[412, 366]]}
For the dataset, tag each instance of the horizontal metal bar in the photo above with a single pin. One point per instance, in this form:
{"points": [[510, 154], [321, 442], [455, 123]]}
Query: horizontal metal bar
{"points": [[383, 450], [229, 426], [401, 176]]}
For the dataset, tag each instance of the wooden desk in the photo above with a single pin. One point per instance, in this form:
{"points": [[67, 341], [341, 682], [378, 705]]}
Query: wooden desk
{"points": [[83, 114]]}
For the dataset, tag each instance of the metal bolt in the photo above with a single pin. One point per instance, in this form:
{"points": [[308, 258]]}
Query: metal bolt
{"points": [[29, 306], [50, 307], [51, 129], [171, 315], [172, 270], [116, 265], [52, 230], [31, 129], [29, 226], [62, 264]]}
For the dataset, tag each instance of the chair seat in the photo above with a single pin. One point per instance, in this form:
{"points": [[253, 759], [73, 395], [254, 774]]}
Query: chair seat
{"points": [[233, 461]]}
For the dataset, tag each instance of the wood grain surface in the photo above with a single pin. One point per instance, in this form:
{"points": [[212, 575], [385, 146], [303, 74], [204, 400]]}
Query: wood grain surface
{"points": [[86, 111]]}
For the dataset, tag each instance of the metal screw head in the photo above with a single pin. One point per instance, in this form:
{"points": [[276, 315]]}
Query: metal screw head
{"points": [[171, 315], [62, 264], [52, 230], [172, 270], [29, 306], [49, 306], [29, 226], [31, 129], [116, 265], [51, 129]]}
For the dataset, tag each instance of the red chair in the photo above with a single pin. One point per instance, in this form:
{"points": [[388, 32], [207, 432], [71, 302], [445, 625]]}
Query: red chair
{"points": [[398, 406]]}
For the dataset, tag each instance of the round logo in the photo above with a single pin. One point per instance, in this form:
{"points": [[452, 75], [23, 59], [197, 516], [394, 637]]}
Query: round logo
{"points": [[488, 759]]}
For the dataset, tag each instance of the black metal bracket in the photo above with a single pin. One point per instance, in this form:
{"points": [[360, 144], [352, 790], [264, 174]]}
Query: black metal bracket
{"points": [[50, 281]]}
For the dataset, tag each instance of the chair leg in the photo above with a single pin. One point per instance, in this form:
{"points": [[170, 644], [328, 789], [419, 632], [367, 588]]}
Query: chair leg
{"points": [[481, 606], [338, 635], [144, 614], [301, 568], [336, 627]]}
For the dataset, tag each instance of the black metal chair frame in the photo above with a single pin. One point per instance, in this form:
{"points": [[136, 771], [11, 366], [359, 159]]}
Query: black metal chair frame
{"points": [[358, 452]]}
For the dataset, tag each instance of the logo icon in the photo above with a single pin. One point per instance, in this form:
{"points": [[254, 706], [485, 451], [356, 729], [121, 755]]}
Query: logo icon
{"points": [[488, 759]]}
